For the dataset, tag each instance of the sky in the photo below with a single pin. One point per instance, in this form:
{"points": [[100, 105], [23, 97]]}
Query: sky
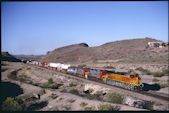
{"points": [[33, 28]]}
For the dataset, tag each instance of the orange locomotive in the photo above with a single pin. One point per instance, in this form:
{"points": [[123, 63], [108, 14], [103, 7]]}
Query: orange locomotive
{"points": [[130, 81]]}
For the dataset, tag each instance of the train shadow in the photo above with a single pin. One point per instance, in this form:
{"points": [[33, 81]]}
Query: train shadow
{"points": [[147, 87]]}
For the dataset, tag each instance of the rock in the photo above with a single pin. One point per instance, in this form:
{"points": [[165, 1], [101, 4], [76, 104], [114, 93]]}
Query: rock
{"points": [[131, 101], [95, 88], [160, 107]]}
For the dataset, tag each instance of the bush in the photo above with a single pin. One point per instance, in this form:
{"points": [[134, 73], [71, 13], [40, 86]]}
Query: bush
{"points": [[11, 104], [145, 71], [98, 95], [67, 107], [63, 90], [74, 91], [82, 65], [61, 98], [71, 100], [157, 74], [110, 67], [82, 104], [115, 98], [92, 108], [53, 96], [147, 46], [22, 78], [52, 86], [160, 74], [72, 84], [107, 107], [12, 75], [162, 85], [90, 90], [50, 81], [88, 96], [165, 72], [155, 80], [28, 68]]}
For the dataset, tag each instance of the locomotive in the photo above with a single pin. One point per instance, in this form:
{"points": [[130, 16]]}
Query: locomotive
{"points": [[127, 80]]}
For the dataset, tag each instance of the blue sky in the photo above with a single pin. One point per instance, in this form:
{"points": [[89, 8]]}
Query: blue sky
{"points": [[33, 28]]}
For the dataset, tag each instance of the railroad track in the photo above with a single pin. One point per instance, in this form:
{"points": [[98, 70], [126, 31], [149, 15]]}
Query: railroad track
{"points": [[148, 96]]}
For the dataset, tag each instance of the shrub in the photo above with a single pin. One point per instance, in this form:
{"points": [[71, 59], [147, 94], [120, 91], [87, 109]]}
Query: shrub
{"points": [[160, 74], [155, 80], [28, 68], [82, 104], [22, 77], [165, 72], [88, 96], [107, 107], [11, 104], [91, 108], [90, 90], [55, 86], [71, 100], [110, 67], [63, 90], [162, 85], [50, 81], [157, 74], [115, 98], [72, 84], [12, 75], [53, 96], [74, 91], [82, 65], [52, 86], [147, 46], [145, 71], [61, 98], [168, 81], [98, 95], [67, 107]]}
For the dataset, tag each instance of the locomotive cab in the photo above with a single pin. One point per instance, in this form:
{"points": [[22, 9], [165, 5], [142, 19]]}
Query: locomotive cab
{"points": [[135, 80]]}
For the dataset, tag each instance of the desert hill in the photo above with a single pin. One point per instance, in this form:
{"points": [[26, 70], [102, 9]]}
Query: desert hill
{"points": [[29, 57], [124, 51], [5, 56]]}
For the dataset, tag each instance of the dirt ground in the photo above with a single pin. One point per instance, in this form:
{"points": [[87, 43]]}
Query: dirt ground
{"points": [[62, 101]]}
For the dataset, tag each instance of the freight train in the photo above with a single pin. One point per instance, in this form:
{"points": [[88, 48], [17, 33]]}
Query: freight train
{"points": [[127, 80]]}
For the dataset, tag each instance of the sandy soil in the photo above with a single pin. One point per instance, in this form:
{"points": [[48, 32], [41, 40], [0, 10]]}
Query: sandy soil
{"points": [[62, 102]]}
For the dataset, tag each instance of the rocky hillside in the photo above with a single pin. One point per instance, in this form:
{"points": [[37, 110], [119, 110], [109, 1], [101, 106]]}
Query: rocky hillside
{"points": [[5, 56], [29, 57], [124, 51]]}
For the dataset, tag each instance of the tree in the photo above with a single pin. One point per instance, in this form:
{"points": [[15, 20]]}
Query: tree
{"points": [[10, 104]]}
